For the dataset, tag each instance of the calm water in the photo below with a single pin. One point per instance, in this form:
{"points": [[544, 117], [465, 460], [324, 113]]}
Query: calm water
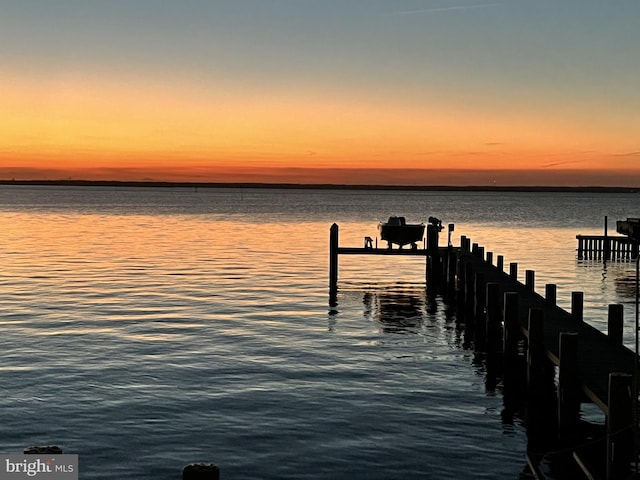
{"points": [[147, 329]]}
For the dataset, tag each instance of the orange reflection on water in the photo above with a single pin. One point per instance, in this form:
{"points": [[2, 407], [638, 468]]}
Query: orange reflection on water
{"points": [[98, 269], [176, 269]]}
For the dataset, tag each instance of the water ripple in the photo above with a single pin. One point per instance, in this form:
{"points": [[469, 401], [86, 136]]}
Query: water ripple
{"points": [[146, 330]]}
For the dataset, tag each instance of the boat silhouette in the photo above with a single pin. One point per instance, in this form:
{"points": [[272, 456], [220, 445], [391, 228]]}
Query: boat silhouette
{"points": [[397, 231]]}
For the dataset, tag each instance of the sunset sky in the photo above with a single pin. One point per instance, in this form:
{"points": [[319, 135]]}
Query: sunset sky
{"points": [[464, 92]]}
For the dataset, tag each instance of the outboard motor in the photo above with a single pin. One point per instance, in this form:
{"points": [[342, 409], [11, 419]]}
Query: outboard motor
{"points": [[436, 223]]}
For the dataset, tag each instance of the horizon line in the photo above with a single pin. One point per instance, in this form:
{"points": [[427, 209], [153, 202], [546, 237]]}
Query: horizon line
{"points": [[318, 186]]}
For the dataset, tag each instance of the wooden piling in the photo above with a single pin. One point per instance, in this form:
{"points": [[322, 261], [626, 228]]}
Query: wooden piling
{"points": [[541, 398], [469, 300], [535, 354], [468, 303], [568, 386], [433, 271], [513, 270], [333, 262], [615, 323], [434, 264], [460, 275], [577, 306], [511, 333], [444, 261], [463, 243], [551, 293], [451, 268], [493, 336], [433, 235], [201, 471], [480, 325], [530, 280], [493, 318], [500, 262], [619, 426], [607, 244], [513, 372], [490, 258], [580, 248]]}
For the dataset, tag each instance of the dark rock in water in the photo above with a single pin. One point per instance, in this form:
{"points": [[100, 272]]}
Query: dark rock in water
{"points": [[201, 471], [43, 450]]}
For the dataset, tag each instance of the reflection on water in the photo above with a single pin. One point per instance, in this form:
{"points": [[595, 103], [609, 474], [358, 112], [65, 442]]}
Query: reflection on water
{"points": [[148, 328], [605, 283], [412, 310], [396, 312], [626, 285], [621, 273]]}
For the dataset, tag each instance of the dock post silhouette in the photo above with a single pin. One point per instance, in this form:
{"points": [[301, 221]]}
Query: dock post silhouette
{"points": [[333, 264]]}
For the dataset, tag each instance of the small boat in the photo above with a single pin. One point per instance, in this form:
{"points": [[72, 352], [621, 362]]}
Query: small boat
{"points": [[629, 227], [398, 231]]}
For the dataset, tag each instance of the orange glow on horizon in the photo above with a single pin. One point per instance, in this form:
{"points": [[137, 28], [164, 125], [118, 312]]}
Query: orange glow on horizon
{"points": [[101, 129]]}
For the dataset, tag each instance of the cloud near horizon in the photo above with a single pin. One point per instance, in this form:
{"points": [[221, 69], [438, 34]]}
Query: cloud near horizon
{"points": [[447, 9]]}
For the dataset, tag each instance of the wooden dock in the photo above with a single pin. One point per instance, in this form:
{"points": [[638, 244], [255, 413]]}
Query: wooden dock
{"points": [[600, 354], [554, 356], [592, 366], [419, 252], [428, 251], [604, 247]]}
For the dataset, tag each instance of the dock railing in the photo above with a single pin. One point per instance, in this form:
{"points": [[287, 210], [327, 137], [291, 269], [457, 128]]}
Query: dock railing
{"points": [[604, 247]]}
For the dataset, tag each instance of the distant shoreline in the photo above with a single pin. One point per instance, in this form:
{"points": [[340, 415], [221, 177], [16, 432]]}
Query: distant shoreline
{"points": [[314, 186]]}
